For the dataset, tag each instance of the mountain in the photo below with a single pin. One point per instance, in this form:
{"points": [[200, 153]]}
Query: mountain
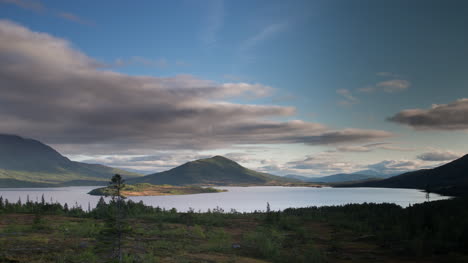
{"points": [[378, 174], [217, 170], [335, 178], [28, 163], [448, 179], [300, 177]]}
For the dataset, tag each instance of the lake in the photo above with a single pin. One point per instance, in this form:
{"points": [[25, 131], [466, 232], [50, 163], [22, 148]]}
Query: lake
{"points": [[242, 199]]}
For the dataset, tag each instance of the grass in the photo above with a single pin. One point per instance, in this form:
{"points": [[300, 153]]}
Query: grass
{"points": [[152, 239], [69, 239]]}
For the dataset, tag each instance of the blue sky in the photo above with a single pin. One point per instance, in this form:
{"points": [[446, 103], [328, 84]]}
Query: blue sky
{"points": [[339, 65]]}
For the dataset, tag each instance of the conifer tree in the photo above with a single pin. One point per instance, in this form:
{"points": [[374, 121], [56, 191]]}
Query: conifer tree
{"points": [[112, 234]]}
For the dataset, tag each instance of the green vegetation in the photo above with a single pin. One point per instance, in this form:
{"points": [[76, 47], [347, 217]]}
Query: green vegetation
{"points": [[429, 232], [146, 189]]}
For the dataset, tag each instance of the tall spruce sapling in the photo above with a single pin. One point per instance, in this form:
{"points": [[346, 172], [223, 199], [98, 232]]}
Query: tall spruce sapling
{"points": [[116, 185]]}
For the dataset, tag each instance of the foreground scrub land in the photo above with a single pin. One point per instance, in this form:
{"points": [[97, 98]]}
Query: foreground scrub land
{"points": [[145, 189], [429, 232]]}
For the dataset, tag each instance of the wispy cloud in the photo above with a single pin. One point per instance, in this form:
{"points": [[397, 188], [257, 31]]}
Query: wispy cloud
{"points": [[388, 74], [327, 163], [38, 7], [396, 166], [319, 164], [75, 18], [263, 35], [35, 6], [181, 63], [394, 83], [372, 147], [388, 86], [367, 89], [214, 22], [246, 47], [347, 97]]}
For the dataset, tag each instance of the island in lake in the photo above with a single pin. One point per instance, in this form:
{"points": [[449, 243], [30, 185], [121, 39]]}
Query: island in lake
{"points": [[146, 189]]}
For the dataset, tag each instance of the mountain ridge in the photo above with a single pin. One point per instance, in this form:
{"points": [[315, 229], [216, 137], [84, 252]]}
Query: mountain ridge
{"points": [[334, 178], [217, 170], [28, 162], [448, 179]]}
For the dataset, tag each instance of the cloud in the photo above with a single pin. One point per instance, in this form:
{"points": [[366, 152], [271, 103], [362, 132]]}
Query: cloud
{"points": [[137, 60], [328, 163], [52, 92], [264, 34], [348, 98], [156, 162], [181, 63], [75, 18], [367, 89], [438, 156], [451, 116], [394, 167], [388, 74], [321, 164], [38, 7], [35, 6], [371, 147], [388, 86], [393, 85], [214, 22]]}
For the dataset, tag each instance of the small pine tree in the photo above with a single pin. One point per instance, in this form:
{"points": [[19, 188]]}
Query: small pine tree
{"points": [[113, 213]]}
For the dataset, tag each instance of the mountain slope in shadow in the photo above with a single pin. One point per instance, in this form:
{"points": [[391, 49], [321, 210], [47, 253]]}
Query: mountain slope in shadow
{"points": [[448, 179], [27, 162]]}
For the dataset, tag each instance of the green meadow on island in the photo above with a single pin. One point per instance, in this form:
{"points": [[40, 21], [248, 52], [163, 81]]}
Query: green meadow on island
{"points": [[146, 189]]}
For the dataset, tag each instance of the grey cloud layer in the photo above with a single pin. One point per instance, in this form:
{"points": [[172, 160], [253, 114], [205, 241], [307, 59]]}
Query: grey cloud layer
{"points": [[331, 163], [451, 116], [438, 156], [371, 147], [51, 91]]}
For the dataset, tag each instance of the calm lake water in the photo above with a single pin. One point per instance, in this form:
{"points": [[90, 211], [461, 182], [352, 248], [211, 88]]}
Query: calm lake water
{"points": [[242, 199]]}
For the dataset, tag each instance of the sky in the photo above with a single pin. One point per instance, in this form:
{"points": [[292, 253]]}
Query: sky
{"points": [[287, 87]]}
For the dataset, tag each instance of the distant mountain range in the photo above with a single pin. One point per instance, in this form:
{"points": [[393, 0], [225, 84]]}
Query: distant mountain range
{"points": [[30, 163], [217, 170], [339, 178], [448, 179]]}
